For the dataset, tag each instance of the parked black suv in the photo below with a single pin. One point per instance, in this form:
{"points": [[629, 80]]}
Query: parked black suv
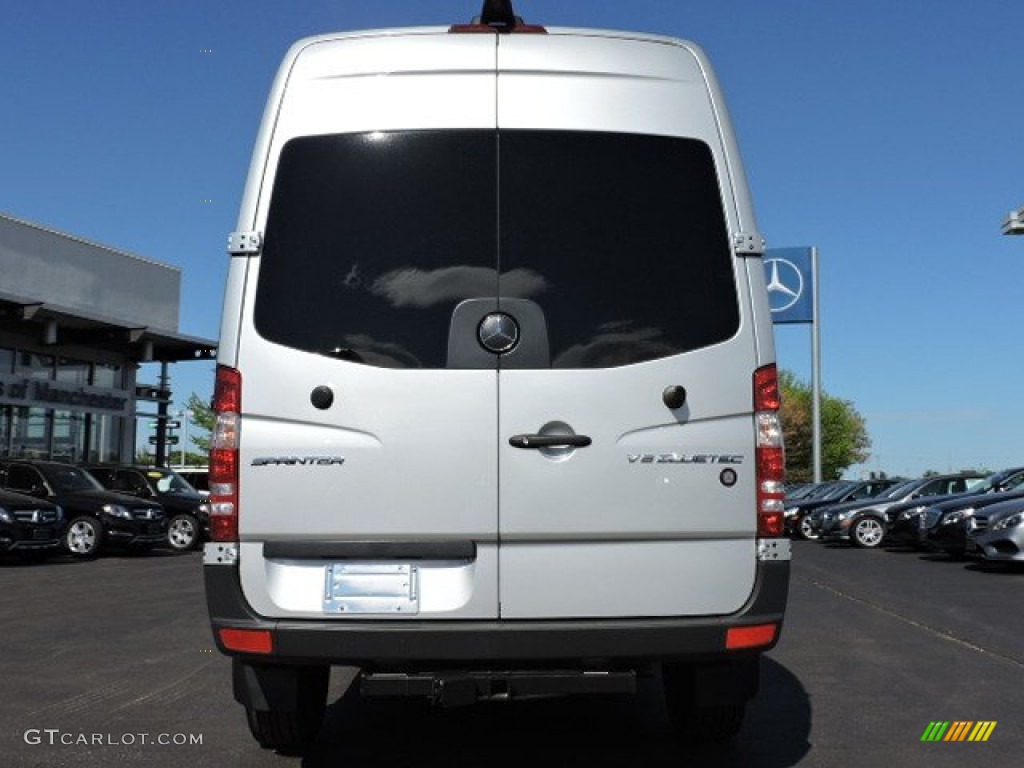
{"points": [[29, 525], [95, 515], [188, 516], [197, 477]]}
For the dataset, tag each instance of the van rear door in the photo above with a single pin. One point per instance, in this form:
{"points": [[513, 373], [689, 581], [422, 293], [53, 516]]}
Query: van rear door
{"points": [[615, 200], [358, 436]]}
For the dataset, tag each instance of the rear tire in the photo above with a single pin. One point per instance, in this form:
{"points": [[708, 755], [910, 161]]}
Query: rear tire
{"points": [[291, 703], [288, 732], [707, 725], [713, 722]]}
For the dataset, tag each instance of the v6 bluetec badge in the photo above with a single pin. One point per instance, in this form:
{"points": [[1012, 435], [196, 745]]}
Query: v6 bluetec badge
{"points": [[685, 458]]}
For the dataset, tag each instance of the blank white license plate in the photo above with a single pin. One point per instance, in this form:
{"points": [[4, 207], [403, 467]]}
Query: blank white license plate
{"points": [[388, 588]]}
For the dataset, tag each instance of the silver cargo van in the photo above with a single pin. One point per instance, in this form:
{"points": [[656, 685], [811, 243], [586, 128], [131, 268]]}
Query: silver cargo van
{"points": [[497, 410]]}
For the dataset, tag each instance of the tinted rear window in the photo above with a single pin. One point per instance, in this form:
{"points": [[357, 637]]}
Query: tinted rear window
{"points": [[372, 240]]}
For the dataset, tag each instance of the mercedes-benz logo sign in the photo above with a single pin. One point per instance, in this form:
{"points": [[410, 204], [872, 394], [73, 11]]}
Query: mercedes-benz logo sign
{"points": [[785, 284], [498, 333]]}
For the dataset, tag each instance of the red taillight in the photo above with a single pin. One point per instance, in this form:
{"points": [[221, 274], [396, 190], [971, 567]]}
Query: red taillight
{"points": [[766, 389], [227, 391], [227, 403], [247, 640], [750, 637], [770, 454]]}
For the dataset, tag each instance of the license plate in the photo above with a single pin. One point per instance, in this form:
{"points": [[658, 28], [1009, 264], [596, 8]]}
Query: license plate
{"points": [[42, 534], [371, 588]]}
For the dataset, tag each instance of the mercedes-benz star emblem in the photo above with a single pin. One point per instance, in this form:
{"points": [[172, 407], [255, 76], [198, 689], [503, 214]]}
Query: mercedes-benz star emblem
{"points": [[498, 333], [785, 284]]}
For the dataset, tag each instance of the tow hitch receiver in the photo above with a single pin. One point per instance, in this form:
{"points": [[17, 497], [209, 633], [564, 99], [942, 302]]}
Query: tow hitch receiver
{"points": [[452, 689]]}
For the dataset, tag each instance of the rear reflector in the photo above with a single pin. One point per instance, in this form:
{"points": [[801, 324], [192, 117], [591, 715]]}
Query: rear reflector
{"points": [[247, 640], [750, 637]]}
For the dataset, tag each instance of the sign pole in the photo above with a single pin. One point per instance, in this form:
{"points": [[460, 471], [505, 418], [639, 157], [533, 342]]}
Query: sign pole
{"points": [[790, 274], [815, 369], [160, 459]]}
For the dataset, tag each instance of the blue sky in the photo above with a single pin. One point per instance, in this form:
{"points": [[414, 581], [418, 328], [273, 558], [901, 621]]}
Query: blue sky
{"points": [[886, 134]]}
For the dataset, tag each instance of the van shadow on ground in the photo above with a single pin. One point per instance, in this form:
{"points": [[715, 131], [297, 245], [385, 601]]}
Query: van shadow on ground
{"points": [[591, 731]]}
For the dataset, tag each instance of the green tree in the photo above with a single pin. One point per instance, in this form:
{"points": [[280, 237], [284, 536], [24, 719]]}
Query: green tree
{"points": [[844, 436], [201, 425]]}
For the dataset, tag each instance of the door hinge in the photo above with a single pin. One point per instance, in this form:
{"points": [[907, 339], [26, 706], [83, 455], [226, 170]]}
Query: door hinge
{"points": [[748, 243], [245, 243]]}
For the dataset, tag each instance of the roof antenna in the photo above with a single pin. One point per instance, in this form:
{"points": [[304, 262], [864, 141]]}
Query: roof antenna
{"points": [[499, 14]]}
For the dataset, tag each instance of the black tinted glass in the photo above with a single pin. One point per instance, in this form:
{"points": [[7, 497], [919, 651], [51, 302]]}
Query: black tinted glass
{"points": [[629, 236], [20, 478], [619, 240], [373, 239]]}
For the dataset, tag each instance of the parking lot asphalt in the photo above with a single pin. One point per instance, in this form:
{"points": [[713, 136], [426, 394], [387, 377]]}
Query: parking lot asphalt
{"points": [[111, 662]]}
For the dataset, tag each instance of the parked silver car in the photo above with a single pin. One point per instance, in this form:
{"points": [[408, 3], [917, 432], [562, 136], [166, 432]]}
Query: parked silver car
{"points": [[997, 532]]}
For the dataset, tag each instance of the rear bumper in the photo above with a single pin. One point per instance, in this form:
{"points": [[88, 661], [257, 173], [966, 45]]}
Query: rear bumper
{"points": [[412, 644]]}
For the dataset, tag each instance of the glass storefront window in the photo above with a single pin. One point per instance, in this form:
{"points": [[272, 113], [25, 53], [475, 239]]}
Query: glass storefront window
{"points": [[107, 375], [72, 371], [32, 427], [68, 436], [104, 437], [30, 433], [5, 430], [35, 366]]}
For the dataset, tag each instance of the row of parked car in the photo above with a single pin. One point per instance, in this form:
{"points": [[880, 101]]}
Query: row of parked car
{"points": [[48, 507], [960, 514]]}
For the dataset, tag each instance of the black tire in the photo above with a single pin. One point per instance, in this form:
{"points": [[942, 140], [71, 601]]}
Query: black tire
{"points": [[867, 532], [804, 529], [287, 732], [694, 723], [83, 537], [708, 725], [183, 533]]}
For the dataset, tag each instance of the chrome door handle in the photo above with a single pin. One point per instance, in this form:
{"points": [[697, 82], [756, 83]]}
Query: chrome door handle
{"points": [[549, 441]]}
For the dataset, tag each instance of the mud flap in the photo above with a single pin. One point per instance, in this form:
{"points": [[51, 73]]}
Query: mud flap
{"points": [[268, 688]]}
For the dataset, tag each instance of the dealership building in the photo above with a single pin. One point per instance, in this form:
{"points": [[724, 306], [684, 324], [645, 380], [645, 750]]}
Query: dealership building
{"points": [[77, 320]]}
